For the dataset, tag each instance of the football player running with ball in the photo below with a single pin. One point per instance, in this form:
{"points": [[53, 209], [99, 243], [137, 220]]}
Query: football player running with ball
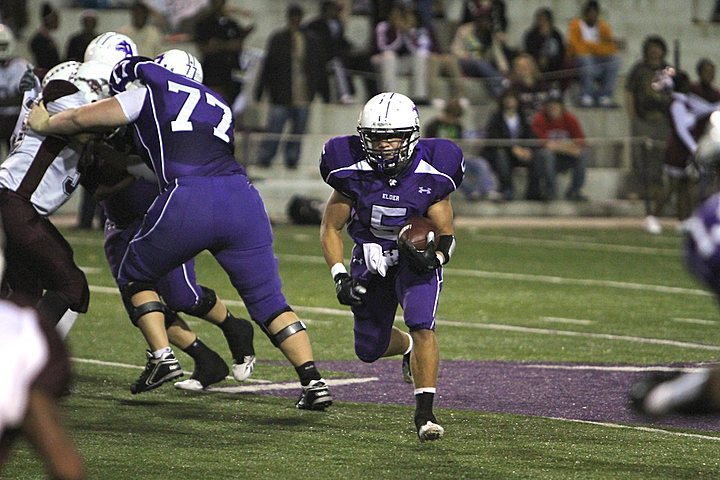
{"points": [[381, 178]]}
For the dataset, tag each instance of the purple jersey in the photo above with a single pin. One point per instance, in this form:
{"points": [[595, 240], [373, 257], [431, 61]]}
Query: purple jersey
{"points": [[182, 127], [382, 205], [702, 245]]}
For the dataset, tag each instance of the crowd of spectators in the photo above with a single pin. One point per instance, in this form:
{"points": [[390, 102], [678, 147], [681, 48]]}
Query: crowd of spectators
{"points": [[555, 68]]}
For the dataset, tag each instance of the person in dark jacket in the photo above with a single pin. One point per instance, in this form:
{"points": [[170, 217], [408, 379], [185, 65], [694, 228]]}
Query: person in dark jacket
{"points": [[42, 45], [290, 74]]}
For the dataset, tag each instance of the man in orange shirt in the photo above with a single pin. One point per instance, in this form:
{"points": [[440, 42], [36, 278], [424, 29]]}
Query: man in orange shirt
{"points": [[592, 48]]}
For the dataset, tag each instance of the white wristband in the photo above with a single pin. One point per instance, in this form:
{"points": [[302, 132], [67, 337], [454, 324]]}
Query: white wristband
{"points": [[337, 268]]}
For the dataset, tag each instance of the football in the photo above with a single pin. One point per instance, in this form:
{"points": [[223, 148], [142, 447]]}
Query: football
{"points": [[416, 231]]}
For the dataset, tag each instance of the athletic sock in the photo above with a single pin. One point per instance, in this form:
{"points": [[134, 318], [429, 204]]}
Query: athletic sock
{"points": [[196, 349], [424, 406], [159, 353], [307, 373], [239, 335]]}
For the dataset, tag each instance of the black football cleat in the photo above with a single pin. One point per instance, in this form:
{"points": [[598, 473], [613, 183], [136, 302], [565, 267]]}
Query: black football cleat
{"points": [[315, 396], [157, 371], [211, 369]]}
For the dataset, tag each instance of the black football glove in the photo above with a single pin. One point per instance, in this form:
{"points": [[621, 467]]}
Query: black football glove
{"points": [[421, 261], [28, 80], [348, 290]]}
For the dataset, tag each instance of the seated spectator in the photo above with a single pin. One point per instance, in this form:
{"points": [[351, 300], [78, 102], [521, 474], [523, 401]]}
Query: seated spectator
{"points": [[147, 36], [533, 91], [592, 49], [564, 147], [509, 123], [478, 182], [496, 9], [544, 42], [403, 48], [704, 87], [339, 55], [482, 51]]}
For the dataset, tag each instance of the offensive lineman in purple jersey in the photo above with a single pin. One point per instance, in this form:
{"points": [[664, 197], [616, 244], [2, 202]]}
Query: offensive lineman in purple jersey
{"points": [[206, 203], [381, 178], [124, 209]]}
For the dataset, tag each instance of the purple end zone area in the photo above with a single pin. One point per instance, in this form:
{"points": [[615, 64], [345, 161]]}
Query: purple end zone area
{"points": [[546, 390]]}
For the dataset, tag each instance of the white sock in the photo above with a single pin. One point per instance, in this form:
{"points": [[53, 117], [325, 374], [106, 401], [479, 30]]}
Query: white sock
{"points": [[161, 352], [410, 345], [418, 391], [65, 323]]}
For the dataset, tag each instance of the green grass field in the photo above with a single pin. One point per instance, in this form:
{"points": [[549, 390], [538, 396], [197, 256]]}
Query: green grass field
{"points": [[510, 294]]}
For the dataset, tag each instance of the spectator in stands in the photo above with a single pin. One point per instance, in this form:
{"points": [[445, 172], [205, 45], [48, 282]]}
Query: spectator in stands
{"points": [[478, 182], [403, 48], [79, 41], [42, 45], [592, 49], [482, 51], [290, 73], [509, 126], [340, 55], [705, 87], [220, 39], [564, 146], [546, 44], [647, 109], [12, 69], [532, 90], [14, 14], [147, 37], [496, 9]]}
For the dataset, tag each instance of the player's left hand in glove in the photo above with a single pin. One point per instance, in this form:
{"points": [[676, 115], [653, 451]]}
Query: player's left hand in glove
{"points": [[28, 81], [422, 261], [348, 290]]}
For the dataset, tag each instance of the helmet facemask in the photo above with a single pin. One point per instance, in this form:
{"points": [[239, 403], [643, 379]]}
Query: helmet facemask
{"points": [[382, 157]]}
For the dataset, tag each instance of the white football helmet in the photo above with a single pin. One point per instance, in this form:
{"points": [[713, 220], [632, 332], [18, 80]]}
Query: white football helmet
{"points": [[93, 80], [7, 42], [181, 62], [110, 48], [62, 71], [389, 116]]}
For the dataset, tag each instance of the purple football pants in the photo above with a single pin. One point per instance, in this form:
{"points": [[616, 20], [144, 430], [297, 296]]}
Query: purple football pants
{"points": [[417, 294], [224, 215]]}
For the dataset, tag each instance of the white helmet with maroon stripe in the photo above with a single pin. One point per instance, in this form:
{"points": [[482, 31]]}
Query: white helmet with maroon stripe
{"points": [[62, 71], [93, 80]]}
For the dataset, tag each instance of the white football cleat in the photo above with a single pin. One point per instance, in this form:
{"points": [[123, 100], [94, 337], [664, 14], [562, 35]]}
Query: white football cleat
{"points": [[430, 431], [243, 371], [652, 225]]}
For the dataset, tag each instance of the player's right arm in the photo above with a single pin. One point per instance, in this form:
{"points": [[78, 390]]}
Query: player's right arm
{"points": [[101, 114], [336, 215]]}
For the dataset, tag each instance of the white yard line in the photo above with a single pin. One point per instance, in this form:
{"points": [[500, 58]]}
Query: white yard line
{"points": [[579, 245], [614, 368], [696, 321], [573, 321], [485, 326], [640, 429]]}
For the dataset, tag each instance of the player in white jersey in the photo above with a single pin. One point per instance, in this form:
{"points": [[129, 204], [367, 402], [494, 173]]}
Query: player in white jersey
{"points": [[35, 180]]}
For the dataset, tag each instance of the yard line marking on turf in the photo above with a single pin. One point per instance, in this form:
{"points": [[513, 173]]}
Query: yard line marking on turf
{"points": [[488, 326], [525, 277], [136, 367], [592, 246], [615, 368], [696, 321], [285, 386], [90, 270], [640, 429], [569, 333], [575, 321], [263, 385]]}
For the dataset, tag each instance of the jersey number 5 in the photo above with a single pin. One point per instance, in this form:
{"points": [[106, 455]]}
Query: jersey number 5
{"points": [[182, 122]]}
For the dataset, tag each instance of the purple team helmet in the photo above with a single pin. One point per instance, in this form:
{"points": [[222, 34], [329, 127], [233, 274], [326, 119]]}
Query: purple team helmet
{"points": [[389, 116]]}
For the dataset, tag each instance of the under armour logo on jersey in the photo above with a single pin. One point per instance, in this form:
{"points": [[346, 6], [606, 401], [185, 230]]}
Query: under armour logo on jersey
{"points": [[426, 190], [393, 182]]}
